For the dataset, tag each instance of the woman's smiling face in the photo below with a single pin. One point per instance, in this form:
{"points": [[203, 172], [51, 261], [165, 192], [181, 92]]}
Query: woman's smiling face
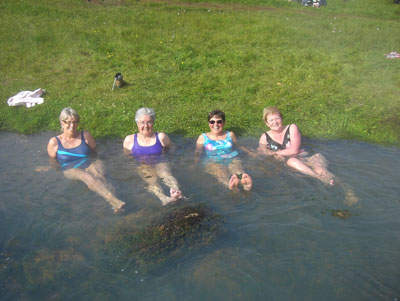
{"points": [[274, 121], [216, 125], [70, 125], [145, 125]]}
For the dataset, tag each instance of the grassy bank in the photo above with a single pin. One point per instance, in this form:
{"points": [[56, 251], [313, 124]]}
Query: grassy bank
{"points": [[325, 68]]}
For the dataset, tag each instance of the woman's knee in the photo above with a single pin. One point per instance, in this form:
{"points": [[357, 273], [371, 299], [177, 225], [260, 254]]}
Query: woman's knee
{"points": [[292, 162], [317, 159], [91, 181]]}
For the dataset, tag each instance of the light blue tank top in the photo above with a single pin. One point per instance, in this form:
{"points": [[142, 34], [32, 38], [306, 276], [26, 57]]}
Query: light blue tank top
{"points": [[219, 149]]}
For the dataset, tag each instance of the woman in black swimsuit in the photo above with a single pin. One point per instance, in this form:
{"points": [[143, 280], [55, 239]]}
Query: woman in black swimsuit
{"points": [[284, 143]]}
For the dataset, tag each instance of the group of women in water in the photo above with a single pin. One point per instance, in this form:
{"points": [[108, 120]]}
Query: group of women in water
{"points": [[72, 149]]}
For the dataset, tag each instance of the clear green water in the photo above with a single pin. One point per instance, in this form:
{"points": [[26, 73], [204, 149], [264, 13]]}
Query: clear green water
{"points": [[281, 241]]}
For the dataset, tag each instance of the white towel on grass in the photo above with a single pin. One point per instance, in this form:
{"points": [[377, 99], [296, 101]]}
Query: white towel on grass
{"points": [[27, 98]]}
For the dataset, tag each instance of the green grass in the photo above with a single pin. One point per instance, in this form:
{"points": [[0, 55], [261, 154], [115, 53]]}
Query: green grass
{"points": [[325, 68]]}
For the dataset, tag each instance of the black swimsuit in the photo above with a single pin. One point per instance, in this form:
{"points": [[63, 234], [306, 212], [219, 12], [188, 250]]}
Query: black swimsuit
{"points": [[275, 146]]}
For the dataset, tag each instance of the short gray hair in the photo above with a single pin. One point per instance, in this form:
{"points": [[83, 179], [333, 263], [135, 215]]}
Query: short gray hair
{"points": [[145, 111]]}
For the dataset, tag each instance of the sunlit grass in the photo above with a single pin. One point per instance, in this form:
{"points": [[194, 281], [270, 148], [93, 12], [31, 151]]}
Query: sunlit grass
{"points": [[325, 68]]}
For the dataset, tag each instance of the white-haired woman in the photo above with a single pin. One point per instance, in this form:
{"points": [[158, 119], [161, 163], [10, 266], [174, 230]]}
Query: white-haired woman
{"points": [[72, 149], [147, 147]]}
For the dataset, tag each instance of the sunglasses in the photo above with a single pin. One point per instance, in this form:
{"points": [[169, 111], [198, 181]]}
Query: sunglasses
{"points": [[218, 121]]}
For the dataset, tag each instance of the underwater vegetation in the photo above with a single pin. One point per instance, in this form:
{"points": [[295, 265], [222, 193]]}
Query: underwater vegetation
{"points": [[164, 235], [49, 266]]}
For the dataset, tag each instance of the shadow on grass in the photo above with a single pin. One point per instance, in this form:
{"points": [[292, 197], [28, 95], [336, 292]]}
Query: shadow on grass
{"points": [[179, 132], [239, 131]]}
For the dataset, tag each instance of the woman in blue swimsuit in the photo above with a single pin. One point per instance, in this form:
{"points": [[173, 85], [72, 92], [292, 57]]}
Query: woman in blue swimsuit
{"points": [[284, 143], [222, 160], [147, 148], [72, 150]]}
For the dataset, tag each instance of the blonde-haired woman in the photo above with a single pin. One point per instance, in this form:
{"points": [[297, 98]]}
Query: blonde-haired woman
{"points": [[284, 143], [72, 149]]}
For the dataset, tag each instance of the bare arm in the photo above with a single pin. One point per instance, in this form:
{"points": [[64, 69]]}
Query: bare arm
{"points": [[164, 139], [52, 147], [89, 140], [241, 147], [128, 144], [264, 150], [295, 142], [263, 146], [199, 148]]}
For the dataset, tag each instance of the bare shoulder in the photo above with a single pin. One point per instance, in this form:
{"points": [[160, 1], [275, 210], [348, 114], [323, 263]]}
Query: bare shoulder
{"points": [[200, 139], [294, 128], [87, 135], [53, 141], [164, 139], [128, 142], [52, 147], [129, 138], [89, 139], [263, 139], [162, 135]]}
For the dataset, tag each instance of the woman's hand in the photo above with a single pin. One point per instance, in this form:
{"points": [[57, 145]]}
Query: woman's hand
{"points": [[263, 150], [279, 158]]}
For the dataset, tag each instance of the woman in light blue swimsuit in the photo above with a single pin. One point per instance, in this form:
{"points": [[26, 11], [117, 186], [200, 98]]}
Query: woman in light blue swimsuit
{"points": [[222, 160], [72, 149]]}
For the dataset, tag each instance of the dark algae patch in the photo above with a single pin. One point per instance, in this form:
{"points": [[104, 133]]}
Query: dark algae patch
{"points": [[49, 267], [148, 238]]}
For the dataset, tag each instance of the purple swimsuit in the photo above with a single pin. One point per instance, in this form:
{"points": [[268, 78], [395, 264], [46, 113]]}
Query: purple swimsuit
{"points": [[147, 154]]}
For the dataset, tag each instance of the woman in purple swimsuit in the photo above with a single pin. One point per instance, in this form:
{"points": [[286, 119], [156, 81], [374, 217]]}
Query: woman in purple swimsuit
{"points": [[72, 149], [147, 147], [284, 143]]}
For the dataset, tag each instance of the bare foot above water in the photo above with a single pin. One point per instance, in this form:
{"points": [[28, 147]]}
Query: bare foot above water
{"points": [[327, 180], [247, 182], [176, 194], [233, 182], [119, 207]]}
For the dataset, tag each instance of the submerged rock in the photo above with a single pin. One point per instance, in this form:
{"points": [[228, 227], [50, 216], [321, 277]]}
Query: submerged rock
{"points": [[342, 214], [148, 238]]}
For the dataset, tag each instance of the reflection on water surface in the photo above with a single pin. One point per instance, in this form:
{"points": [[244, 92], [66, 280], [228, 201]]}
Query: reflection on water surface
{"points": [[290, 238]]}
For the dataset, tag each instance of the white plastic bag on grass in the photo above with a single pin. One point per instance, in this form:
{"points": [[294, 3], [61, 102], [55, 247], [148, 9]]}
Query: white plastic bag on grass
{"points": [[26, 98]]}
